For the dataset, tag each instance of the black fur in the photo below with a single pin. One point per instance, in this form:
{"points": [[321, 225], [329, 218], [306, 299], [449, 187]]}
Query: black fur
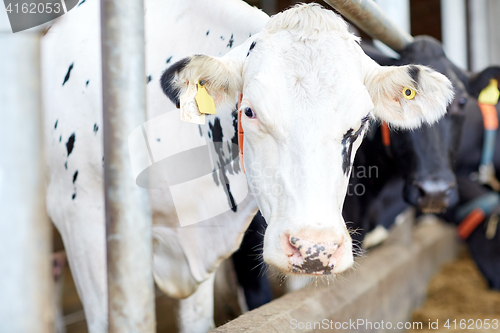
{"points": [[414, 71], [168, 78], [251, 48]]}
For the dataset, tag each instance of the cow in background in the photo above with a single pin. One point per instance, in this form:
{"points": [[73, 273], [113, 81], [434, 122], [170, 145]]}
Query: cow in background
{"points": [[464, 154]]}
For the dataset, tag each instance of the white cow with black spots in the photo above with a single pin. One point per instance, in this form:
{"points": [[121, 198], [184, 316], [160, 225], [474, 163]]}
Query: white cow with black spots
{"points": [[307, 93]]}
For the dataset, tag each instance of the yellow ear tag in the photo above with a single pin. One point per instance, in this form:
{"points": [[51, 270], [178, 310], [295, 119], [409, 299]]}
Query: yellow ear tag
{"points": [[490, 94], [205, 102], [408, 93]]}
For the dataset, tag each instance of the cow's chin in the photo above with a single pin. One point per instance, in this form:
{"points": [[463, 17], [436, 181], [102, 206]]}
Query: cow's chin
{"points": [[314, 265]]}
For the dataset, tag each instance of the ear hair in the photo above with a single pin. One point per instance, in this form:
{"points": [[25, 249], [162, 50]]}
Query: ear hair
{"points": [[433, 93], [221, 76], [479, 81]]}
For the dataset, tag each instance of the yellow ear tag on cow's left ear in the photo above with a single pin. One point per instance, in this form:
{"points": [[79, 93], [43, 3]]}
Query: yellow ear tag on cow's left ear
{"points": [[205, 102], [409, 93], [490, 94]]}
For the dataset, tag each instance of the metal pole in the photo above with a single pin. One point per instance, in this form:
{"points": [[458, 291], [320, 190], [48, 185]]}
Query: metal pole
{"points": [[399, 12], [494, 39], [454, 27], [479, 36], [128, 216], [368, 16], [26, 286]]}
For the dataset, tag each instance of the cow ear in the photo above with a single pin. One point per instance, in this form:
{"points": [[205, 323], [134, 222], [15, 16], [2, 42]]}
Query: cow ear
{"points": [[408, 96], [479, 81], [221, 77]]}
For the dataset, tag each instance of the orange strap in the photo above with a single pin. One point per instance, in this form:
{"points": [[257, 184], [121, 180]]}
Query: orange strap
{"points": [[470, 223], [386, 134], [241, 135], [490, 117]]}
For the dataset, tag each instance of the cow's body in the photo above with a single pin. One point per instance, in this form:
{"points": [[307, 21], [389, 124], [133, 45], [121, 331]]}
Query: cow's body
{"points": [[186, 257], [484, 241]]}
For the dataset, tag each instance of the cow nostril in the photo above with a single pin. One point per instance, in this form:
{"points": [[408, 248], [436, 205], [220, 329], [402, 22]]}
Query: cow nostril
{"points": [[421, 192]]}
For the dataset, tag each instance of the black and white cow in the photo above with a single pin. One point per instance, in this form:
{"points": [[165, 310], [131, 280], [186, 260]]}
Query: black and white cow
{"points": [[308, 93], [417, 166], [427, 157], [445, 147]]}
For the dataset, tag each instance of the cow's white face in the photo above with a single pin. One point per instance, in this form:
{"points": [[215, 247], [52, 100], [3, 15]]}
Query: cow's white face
{"points": [[308, 93]]}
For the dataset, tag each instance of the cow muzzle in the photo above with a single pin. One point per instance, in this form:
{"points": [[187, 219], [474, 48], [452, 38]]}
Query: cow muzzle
{"points": [[316, 253], [433, 196]]}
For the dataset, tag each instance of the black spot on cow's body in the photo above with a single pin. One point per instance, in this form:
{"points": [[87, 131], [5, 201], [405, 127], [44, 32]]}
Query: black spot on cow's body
{"points": [[66, 78], [55, 125], [222, 37], [81, 3], [87, 83], [414, 71], [96, 128], [66, 165], [158, 139], [75, 176], [231, 41], [168, 81], [216, 130], [201, 132], [60, 138], [347, 151], [73, 196], [232, 203], [169, 59], [224, 162], [251, 47], [70, 144], [348, 141], [208, 31], [234, 141], [149, 78]]}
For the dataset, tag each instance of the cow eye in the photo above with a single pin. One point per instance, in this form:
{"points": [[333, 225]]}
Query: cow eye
{"points": [[462, 101], [250, 113]]}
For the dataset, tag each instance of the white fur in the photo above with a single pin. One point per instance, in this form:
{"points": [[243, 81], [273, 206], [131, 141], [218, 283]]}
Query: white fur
{"points": [[307, 79], [183, 257], [309, 83]]}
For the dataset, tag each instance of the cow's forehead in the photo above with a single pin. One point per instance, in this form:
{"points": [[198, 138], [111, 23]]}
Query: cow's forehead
{"points": [[323, 90]]}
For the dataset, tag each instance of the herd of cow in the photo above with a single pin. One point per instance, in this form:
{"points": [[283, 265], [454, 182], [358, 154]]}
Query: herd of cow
{"points": [[310, 92]]}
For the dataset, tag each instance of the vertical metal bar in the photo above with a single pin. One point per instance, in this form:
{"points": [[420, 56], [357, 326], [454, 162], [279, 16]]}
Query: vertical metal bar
{"points": [[494, 40], [26, 286], [367, 15], [454, 27], [479, 36], [128, 216]]}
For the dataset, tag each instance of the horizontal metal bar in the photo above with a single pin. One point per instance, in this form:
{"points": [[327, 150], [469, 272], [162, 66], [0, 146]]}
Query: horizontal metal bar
{"points": [[368, 16]]}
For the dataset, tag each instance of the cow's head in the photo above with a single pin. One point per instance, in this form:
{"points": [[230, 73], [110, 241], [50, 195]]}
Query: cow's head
{"points": [[308, 93], [426, 155]]}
